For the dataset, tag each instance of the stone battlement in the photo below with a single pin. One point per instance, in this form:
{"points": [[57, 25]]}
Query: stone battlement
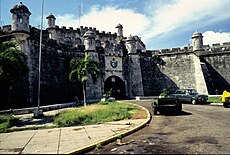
{"points": [[217, 47], [80, 31]]}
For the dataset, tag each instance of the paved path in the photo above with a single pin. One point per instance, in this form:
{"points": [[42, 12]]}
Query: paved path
{"points": [[62, 140], [77, 139]]}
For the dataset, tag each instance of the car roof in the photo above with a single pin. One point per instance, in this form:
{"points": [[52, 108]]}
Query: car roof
{"points": [[187, 89]]}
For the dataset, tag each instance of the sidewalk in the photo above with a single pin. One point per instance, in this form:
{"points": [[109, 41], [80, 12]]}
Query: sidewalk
{"points": [[76, 139]]}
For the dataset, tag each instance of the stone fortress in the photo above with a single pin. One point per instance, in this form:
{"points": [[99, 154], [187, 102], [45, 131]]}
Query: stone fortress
{"points": [[128, 69]]}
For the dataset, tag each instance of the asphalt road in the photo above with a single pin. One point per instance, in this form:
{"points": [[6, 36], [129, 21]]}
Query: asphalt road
{"points": [[199, 129]]}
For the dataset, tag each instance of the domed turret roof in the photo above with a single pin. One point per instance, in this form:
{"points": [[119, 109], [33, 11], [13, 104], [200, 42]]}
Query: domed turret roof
{"points": [[130, 38], [119, 25], [196, 34], [20, 6], [89, 34], [50, 16]]}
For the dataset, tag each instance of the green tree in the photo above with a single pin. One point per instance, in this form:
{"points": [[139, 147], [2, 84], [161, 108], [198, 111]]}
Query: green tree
{"points": [[81, 68], [12, 65]]}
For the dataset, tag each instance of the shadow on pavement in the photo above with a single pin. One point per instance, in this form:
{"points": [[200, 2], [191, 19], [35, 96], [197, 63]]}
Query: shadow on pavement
{"points": [[172, 113], [33, 121]]}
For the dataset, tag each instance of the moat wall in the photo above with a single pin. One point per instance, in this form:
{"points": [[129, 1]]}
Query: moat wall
{"points": [[218, 65], [171, 71], [168, 72]]}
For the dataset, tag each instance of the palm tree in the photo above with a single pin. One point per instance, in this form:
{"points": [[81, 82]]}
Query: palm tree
{"points": [[81, 68], [12, 65]]}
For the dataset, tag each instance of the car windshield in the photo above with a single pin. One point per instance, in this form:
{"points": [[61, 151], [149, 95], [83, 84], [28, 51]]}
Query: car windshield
{"points": [[192, 91]]}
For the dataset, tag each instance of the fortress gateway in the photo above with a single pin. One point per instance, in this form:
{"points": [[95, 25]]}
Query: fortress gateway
{"points": [[127, 67]]}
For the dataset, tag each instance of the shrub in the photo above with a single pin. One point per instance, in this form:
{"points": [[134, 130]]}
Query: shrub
{"points": [[6, 121], [164, 93]]}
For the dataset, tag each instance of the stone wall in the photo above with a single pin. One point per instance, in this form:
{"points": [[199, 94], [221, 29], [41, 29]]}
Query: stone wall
{"points": [[55, 85], [167, 72], [218, 65]]}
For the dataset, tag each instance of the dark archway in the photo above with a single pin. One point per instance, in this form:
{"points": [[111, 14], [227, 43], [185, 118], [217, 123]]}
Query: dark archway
{"points": [[116, 85]]}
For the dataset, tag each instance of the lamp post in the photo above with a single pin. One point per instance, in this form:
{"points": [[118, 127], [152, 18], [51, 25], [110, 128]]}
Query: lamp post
{"points": [[39, 112]]}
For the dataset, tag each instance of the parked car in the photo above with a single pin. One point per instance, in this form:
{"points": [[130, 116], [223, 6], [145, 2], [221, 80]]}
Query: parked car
{"points": [[225, 99], [189, 96], [166, 104]]}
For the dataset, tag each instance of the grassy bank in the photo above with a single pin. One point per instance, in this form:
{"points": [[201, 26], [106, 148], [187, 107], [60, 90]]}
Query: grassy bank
{"points": [[97, 113], [214, 99]]}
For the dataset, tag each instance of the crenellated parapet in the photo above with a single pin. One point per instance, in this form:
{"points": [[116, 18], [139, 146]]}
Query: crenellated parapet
{"points": [[75, 36], [185, 49], [217, 47], [207, 49], [106, 40]]}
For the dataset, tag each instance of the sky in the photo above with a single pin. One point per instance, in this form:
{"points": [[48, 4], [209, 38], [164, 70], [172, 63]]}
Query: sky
{"points": [[160, 24]]}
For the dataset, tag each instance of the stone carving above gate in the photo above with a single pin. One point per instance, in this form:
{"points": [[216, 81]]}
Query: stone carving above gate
{"points": [[113, 63]]}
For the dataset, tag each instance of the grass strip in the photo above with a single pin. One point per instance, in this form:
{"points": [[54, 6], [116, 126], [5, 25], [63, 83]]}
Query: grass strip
{"points": [[214, 99], [98, 113]]}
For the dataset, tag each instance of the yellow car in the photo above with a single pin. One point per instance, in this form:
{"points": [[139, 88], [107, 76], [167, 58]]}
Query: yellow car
{"points": [[225, 98]]}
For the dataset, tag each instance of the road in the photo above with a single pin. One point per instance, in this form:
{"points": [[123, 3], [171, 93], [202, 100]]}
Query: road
{"points": [[199, 129]]}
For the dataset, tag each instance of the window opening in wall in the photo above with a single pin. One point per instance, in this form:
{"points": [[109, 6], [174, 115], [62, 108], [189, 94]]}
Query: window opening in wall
{"points": [[20, 20]]}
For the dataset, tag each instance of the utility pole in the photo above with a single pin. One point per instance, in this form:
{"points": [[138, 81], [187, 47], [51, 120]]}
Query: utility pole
{"points": [[80, 7], [1, 12], [38, 112]]}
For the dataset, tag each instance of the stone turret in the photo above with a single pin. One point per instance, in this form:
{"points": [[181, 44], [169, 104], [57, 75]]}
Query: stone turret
{"points": [[21, 31], [53, 34], [135, 77], [51, 20], [197, 41], [89, 41], [131, 44], [97, 42], [90, 48], [119, 30], [20, 18]]}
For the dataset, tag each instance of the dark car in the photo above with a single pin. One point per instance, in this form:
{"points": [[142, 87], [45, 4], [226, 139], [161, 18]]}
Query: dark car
{"points": [[189, 96], [166, 104]]}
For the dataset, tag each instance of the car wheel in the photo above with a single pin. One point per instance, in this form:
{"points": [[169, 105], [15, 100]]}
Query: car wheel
{"points": [[193, 101], [226, 104], [155, 111]]}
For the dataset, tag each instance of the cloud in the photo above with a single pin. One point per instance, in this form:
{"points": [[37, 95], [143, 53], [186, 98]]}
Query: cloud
{"points": [[68, 20], [180, 14], [160, 18], [210, 37], [106, 19]]}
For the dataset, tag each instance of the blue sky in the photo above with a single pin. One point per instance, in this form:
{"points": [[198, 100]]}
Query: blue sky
{"points": [[160, 23]]}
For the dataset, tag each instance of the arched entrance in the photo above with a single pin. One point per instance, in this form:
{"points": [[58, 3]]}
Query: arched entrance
{"points": [[116, 85]]}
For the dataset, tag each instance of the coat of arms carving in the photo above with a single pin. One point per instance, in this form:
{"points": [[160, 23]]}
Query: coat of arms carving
{"points": [[113, 63]]}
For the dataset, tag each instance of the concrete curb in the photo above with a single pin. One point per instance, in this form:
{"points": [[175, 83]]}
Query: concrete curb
{"points": [[113, 138], [216, 104]]}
